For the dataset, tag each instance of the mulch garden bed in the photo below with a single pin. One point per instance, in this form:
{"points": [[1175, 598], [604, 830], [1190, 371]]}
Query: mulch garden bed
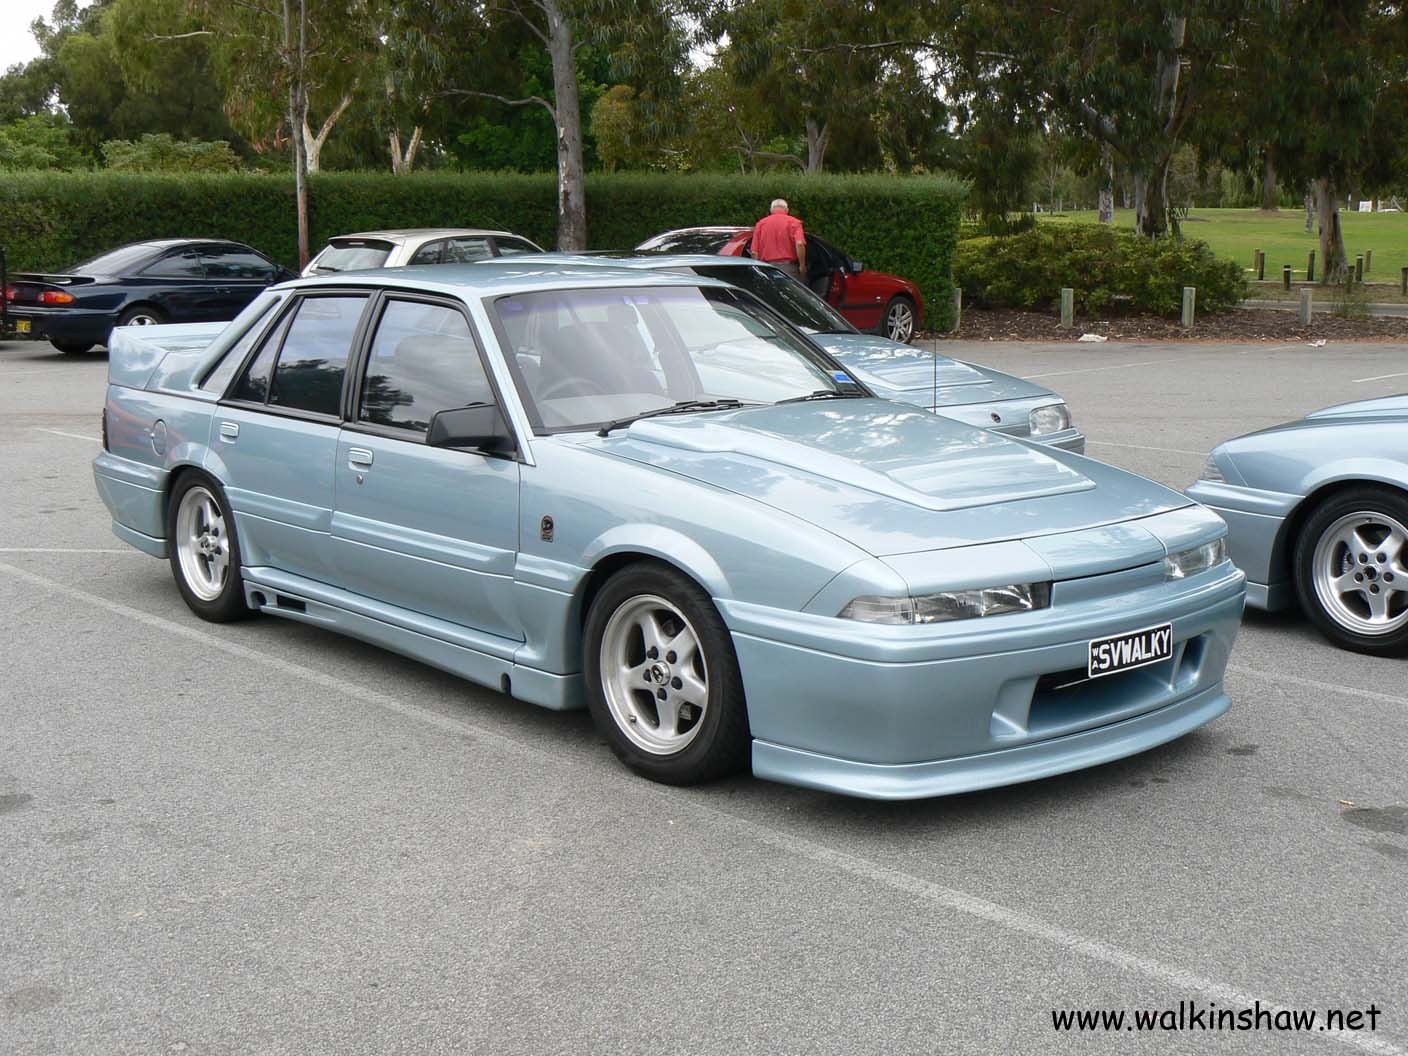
{"points": [[1245, 324]]}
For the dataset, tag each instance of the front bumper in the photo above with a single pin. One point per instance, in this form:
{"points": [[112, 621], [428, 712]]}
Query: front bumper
{"points": [[1255, 540], [924, 711]]}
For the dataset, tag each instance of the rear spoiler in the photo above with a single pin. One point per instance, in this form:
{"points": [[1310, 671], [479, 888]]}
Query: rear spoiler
{"points": [[40, 279]]}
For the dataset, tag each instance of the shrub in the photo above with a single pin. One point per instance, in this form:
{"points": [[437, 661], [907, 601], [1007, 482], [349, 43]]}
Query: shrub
{"points": [[905, 225], [162, 152], [1109, 270]]}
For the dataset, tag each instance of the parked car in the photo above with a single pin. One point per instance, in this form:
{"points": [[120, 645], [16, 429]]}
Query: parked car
{"points": [[966, 391], [415, 245], [874, 301], [172, 280], [645, 493], [1317, 512]]}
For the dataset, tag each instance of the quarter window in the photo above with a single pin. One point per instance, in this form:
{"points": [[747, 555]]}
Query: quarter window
{"points": [[237, 263], [423, 360], [428, 253], [308, 376]]}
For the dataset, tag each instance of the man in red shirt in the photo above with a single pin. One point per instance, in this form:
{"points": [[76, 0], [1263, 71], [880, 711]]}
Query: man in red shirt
{"points": [[778, 239]]}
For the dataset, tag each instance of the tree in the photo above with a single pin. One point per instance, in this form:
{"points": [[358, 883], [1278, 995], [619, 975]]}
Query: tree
{"points": [[39, 141], [1129, 77], [160, 152]]}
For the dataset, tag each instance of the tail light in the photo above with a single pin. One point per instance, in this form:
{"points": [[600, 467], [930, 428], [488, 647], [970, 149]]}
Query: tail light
{"points": [[12, 293], [56, 297]]}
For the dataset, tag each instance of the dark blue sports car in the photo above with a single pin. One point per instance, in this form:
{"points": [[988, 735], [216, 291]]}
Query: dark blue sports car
{"points": [[167, 281]]}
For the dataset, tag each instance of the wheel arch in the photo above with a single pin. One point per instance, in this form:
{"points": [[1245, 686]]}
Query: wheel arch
{"points": [[1286, 539]]}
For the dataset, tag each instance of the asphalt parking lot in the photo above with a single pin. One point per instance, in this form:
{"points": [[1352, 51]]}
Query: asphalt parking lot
{"points": [[266, 839]]}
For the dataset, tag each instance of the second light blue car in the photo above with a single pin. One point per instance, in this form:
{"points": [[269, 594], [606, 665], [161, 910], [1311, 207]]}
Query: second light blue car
{"points": [[1318, 515], [645, 494]]}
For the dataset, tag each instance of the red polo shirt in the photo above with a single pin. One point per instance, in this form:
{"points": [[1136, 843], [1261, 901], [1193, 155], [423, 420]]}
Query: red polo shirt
{"points": [[775, 238]]}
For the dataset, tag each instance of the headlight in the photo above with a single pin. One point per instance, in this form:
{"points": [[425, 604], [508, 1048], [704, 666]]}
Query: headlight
{"points": [[1049, 419], [1212, 471], [1187, 563], [950, 605]]}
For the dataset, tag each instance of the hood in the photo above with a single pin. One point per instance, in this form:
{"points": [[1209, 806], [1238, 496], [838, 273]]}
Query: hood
{"points": [[905, 373], [1385, 406], [887, 477]]}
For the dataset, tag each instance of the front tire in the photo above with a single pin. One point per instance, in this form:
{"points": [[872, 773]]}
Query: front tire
{"points": [[663, 683], [204, 550], [1351, 570], [900, 320]]}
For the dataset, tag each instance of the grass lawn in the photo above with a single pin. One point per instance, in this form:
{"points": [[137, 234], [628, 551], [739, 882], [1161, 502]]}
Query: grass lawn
{"points": [[1239, 233]]}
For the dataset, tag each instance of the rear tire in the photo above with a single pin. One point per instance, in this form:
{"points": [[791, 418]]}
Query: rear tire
{"points": [[1351, 570], [204, 550], [663, 683], [141, 315], [72, 348]]}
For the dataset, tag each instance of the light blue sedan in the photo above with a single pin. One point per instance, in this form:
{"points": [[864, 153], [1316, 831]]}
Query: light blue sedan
{"points": [[1318, 513], [645, 494], [967, 392]]}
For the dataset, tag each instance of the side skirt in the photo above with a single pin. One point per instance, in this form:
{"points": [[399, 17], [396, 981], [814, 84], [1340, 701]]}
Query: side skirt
{"points": [[552, 691]]}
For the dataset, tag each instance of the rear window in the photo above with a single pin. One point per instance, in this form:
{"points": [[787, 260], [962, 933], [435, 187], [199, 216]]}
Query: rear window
{"points": [[115, 262], [686, 242], [346, 255]]}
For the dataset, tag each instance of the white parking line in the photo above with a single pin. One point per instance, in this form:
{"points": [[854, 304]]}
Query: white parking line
{"points": [[1323, 687], [27, 373], [938, 895], [65, 550], [71, 436], [1092, 370], [1380, 377], [1145, 447]]}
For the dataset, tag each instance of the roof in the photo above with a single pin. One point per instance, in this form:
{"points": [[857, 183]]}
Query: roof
{"points": [[505, 275], [406, 234]]}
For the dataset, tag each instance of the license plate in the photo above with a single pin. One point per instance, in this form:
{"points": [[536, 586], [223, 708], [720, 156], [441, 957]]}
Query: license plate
{"points": [[1124, 652], [21, 326]]}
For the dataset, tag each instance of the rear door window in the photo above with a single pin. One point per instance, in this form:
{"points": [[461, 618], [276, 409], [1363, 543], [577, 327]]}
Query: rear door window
{"points": [[313, 359], [428, 253], [514, 247], [185, 264], [466, 250], [237, 263]]}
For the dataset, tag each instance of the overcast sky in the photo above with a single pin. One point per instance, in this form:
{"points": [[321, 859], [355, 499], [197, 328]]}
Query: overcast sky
{"points": [[16, 45]]}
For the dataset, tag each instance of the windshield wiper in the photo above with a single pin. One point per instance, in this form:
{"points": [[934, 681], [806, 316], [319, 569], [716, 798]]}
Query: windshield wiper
{"points": [[683, 407], [824, 394]]}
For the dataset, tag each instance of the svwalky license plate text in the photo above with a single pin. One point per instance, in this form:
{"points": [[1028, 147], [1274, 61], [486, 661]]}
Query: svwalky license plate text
{"points": [[1121, 652]]}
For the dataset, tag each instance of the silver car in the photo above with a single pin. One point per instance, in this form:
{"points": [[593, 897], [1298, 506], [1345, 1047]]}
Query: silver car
{"points": [[1317, 512], [415, 245]]}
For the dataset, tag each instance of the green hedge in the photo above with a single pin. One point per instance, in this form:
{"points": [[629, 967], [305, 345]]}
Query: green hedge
{"points": [[1109, 270], [905, 225]]}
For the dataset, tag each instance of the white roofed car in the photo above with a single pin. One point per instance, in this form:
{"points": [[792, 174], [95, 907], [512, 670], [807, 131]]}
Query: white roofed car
{"points": [[415, 245]]}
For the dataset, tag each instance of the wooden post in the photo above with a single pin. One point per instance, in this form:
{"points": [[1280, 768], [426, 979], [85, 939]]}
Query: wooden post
{"points": [[1068, 307], [1190, 295], [957, 308], [1305, 306], [1405, 282], [1310, 267], [1286, 277], [1368, 260], [1359, 267], [1260, 266]]}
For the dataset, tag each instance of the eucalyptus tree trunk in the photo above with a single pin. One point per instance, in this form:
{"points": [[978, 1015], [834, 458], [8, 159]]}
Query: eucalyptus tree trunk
{"points": [[567, 106], [1309, 211], [1107, 185], [403, 159], [1327, 206], [818, 139], [313, 141], [295, 54], [1151, 205], [1270, 197], [1151, 213]]}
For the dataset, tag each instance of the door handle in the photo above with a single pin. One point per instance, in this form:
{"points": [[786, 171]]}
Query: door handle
{"points": [[359, 458], [229, 431]]}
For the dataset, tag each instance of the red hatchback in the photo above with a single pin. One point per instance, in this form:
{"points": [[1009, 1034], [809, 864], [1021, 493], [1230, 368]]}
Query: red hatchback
{"points": [[870, 300]]}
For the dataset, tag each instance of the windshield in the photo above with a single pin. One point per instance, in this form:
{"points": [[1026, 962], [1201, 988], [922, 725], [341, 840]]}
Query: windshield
{"points": [[581, 358], [351, 256], [116, 262], [783, 294]]}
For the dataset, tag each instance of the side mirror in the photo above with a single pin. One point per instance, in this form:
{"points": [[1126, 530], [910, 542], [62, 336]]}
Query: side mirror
{"points": [[856, 267], [480, 425]]}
